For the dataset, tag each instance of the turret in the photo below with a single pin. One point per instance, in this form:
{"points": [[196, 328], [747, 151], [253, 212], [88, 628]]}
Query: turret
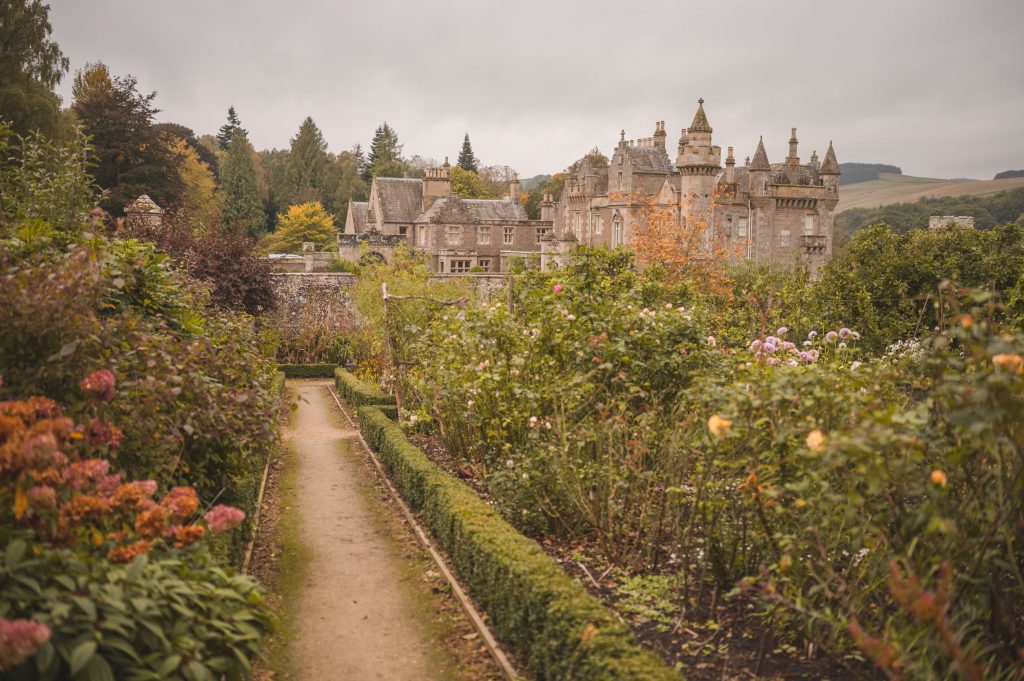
{"points": [[793, 159], [829, 171], [759, 170]]}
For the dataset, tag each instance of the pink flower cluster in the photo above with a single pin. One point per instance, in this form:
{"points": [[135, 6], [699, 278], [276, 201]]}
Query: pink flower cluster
{"points": [[221, 517], [20, 640], [774, 350], [99, 385]]}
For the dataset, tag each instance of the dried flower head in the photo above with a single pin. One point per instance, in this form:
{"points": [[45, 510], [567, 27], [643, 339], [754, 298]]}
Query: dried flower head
{"points": [[99, 385]]}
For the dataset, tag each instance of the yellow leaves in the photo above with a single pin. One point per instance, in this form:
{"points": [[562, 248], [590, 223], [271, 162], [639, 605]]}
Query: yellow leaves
{"points": [[20, 503], [719, 426], [589, 632]]}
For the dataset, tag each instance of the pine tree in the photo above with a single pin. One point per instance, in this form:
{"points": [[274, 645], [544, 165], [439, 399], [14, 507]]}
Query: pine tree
{"points": [[243, 210], [385, 159], [307, 167], [467, 161], [227, 131]]}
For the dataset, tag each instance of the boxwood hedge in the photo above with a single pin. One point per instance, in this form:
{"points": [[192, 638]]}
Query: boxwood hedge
{"points": [[359, 392], [561, 631], [307, 370]]}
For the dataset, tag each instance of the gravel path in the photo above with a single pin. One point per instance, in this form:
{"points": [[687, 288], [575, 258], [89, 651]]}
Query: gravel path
{"points": [[360, 615]]}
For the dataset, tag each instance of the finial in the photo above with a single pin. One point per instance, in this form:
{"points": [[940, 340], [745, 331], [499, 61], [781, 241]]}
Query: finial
{"points": [[701, 101], [622, 136]]}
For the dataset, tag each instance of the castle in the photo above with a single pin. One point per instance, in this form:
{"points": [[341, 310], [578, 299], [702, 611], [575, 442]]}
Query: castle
{"points": [[779, 213]]}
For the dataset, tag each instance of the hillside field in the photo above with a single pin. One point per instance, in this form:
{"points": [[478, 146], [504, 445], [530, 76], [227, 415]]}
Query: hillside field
{"points": [[891, 188]]}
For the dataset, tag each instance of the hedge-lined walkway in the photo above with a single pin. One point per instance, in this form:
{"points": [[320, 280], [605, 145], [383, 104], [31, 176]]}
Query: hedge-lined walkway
{"points": [[359, 614]]}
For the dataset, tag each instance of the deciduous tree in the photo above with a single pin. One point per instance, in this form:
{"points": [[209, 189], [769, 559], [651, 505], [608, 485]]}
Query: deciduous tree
{"points": [[31, 66], [467, 184], [303, 222]]}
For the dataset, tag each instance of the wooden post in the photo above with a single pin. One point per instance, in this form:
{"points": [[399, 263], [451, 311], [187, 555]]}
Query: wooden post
{"points": [[391, 351]]}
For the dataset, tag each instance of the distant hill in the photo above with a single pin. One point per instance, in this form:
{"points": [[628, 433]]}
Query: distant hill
{"points": [[853, 173], [906, 188], [1007, 174], [531, 182], [988, 209]]}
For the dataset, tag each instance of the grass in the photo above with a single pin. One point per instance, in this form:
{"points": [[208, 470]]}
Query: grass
{"points": [[290, 568]]}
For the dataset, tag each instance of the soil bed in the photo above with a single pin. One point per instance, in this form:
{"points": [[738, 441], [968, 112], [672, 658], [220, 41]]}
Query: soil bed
{"points": [[722, 639]]}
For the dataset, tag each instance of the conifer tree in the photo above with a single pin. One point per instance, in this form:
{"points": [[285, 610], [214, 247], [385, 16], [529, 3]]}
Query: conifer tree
{"points": [[227, 131], [307, 165], [467, 161], [385, 159], [243, 210]]}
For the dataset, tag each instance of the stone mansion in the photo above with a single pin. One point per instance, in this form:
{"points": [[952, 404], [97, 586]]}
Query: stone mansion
{"points": [[768, 212]]}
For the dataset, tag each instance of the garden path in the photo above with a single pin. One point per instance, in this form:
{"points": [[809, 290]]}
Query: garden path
{"points": [[359, 614]]}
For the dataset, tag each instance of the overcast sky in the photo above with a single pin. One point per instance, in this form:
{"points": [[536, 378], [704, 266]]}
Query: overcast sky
{"points": [[934, 86]]}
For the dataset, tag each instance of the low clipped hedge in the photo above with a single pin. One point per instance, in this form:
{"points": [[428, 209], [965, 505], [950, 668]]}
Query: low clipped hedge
{"points": [[307, 370], [562, 631], [358, 392]]}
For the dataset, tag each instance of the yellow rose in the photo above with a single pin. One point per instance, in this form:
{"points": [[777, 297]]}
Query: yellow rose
{"points": [[719, 426], [816, 441], [1009, 362]]}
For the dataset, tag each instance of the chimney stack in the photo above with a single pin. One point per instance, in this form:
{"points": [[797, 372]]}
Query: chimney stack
{"points": [[730, 167]]}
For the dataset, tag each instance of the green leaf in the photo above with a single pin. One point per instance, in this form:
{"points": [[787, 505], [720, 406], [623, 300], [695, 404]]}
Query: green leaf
{"points": [[14, 553], [168, 665], [81, 655], [87, 606], [99, 670], [136, 568]]}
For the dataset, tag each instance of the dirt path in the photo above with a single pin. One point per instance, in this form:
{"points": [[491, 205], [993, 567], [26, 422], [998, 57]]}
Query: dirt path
{"points": [[359, 614]]}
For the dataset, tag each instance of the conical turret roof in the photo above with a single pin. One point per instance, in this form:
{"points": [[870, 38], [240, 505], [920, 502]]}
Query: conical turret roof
{"points": [[700, 119], [830, 166], [760, 161]]}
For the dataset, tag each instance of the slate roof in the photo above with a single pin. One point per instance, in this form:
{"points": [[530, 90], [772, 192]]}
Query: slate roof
{"points": [[649, 159], [360, 210], [455, 209], [401, 198], [760, 161], [144, 204]]}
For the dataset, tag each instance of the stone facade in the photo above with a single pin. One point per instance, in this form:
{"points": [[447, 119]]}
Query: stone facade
{"points": [[947, 221], [780, 213], [457, 234]]}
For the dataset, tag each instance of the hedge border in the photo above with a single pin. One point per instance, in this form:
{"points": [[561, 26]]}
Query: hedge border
{"points": [[562, 632], [358, 392], [307, 370]]}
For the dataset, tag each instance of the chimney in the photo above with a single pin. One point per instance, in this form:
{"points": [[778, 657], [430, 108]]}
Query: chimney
{"points": [[793, 159], [513, 188], [547, 208], [730, 167], [660, 135], [436, 185]]}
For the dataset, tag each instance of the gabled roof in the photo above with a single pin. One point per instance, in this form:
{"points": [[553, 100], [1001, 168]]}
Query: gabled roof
{"points": [[143, 204], [829, 166], [401, 198], [456, 209], [359, 209], [649, 159], [700, 119], [760, 161]]}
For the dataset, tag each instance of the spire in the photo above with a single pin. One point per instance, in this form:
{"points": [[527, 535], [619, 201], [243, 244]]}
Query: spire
{"points": [[830, 166], [760, 161], [700, 119]]}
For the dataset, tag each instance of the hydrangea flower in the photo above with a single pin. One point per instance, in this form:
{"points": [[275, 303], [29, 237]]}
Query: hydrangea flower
{"points": [[99, 385], [20, 640], [221, 517]]}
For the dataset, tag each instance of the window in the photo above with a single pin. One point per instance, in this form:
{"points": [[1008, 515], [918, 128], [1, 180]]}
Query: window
{"points": [[620, 180], [741, 227], [459, 266], [541, 231], [483, 235], [403, 230], [421, 237], [454, 235], [598, 222], [485, 264], [784, 238], [617, 230], [808, 225], [577, 222], [728, 226], [510, 233]]}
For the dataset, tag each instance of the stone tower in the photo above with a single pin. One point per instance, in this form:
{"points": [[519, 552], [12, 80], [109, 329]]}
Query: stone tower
{"points": [[698, 161]]}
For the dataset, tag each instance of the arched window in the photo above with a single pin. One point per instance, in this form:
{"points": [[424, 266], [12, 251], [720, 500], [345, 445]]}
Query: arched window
{"points": [[617, 231]]}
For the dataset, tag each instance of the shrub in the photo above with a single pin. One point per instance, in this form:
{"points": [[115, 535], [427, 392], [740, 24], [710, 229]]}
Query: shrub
{"points": [[359, 392]]}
